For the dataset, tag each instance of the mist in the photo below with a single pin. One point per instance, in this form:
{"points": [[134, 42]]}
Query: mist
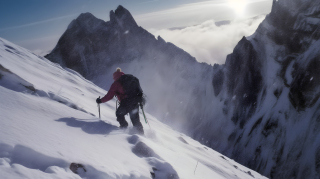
{"points": [[210, 42]]}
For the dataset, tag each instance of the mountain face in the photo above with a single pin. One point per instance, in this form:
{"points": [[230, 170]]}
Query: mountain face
{"points": [[260, 108], [270, 87], [173, 81]]}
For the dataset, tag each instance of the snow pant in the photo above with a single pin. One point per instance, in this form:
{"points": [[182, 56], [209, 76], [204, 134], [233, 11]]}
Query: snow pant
{"points": [[131, 107]]}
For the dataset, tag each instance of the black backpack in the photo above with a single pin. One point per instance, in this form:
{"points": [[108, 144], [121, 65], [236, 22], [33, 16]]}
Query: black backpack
{"points": [[132, 88]]}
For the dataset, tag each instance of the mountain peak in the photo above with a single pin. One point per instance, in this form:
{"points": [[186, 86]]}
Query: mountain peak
{"points": [[86, 21], [86, 16], [121, 11], [123, 17]]}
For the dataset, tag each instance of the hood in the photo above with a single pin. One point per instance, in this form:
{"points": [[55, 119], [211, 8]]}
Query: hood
{"points": [[117, 75]]}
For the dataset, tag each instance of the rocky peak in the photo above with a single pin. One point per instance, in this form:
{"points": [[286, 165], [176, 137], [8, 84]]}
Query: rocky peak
{"points": [[86, 16], [87, 22], [122, 17]]}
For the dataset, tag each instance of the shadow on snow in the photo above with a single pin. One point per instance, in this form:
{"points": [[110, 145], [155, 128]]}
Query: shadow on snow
{"points": [[95, 127]]}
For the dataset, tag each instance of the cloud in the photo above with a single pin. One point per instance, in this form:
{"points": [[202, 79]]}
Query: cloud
{"points": [[39, 22], [185, 15], [196, 13], [208, 42]]}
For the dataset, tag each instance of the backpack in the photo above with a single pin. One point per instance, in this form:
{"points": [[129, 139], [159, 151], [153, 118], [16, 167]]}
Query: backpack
{"points": [[132, 88]]}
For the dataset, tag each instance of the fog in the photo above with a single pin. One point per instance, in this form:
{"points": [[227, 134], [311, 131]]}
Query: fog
{"points": [[210, 42]]}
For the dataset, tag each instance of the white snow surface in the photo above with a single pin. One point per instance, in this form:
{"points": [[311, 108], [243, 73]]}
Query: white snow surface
{"points": [[49, 119]]}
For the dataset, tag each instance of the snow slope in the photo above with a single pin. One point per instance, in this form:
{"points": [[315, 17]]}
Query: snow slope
{"points": [[49, 120]]}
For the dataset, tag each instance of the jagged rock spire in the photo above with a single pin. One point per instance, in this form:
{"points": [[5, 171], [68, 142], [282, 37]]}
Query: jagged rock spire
{"points": [[122, 17]]}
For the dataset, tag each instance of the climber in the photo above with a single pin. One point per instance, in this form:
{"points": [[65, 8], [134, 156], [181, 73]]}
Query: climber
{"points": [[130, 95]]}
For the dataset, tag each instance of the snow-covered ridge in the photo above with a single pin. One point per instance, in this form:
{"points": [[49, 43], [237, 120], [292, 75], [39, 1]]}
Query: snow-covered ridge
{"points": [[49, 120]]}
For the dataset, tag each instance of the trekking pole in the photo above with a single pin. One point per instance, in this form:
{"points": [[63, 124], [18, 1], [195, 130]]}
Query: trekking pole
{"points": [[99, 108], [141, 106]]}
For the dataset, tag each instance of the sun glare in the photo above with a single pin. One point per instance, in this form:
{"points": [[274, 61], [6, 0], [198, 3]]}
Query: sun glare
{"points": [[238, 6]]}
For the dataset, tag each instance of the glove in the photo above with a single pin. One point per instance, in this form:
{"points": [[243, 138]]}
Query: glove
{"points": [[98, 100]]}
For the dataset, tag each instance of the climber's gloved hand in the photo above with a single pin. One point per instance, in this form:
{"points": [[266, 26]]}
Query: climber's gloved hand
{"points": [[98, 100]]}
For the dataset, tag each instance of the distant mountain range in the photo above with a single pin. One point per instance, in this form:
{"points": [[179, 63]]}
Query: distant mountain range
{"points": [[260, 108]]}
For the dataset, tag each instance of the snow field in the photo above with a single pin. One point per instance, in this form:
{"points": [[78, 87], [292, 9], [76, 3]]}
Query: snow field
{"points": [[49, 119]]}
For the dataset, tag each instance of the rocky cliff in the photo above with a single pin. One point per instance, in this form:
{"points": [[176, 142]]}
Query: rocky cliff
{"points": [[271, 92]]}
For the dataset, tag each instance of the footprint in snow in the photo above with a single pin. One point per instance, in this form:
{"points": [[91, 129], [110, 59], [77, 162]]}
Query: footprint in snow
{"points": [[21, 158], [160, 168]]}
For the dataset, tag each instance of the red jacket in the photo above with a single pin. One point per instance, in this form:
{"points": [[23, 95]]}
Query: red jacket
{"points": [[116, 89]]}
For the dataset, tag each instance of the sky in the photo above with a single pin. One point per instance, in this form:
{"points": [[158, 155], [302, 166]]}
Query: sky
{"points": [[37, 24]]}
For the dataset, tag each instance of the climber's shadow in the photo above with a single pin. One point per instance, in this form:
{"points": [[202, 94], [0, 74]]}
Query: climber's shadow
{"points": [[96, 127]]}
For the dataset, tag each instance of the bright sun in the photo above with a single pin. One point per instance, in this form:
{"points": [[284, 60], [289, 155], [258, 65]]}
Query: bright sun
{"points": [[238, 6]]}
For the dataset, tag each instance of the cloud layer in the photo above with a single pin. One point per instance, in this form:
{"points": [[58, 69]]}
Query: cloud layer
{"points": [[208, 42], [195, 13]]}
